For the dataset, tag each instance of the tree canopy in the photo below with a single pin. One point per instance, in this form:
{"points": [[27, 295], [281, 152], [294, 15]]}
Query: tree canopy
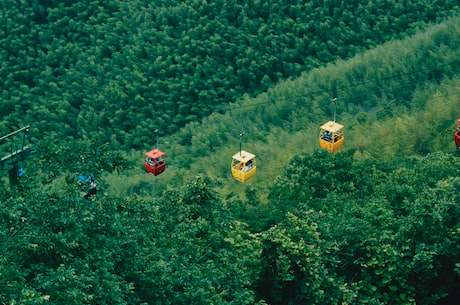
{"points": [[117, 70], [375, 223]]}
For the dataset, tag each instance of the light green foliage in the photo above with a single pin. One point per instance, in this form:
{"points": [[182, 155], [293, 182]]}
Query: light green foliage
{"points": [[285, 121]]}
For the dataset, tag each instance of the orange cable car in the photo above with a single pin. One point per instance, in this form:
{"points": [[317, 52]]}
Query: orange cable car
{"points": [[243, 164], [457, 134], [155, 162], [331, 134]]}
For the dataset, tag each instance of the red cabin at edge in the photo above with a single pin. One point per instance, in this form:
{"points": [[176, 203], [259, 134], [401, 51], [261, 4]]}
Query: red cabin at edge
{"points": [[155, 162], [457, 134]]}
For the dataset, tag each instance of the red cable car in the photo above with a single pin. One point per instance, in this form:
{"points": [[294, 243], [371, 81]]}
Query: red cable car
{"points": [[457, 134], [155, 162]]}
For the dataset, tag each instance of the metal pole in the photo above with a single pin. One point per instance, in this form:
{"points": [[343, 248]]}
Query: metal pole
{"points": [[335, 107], [15, 155], [12, 151], [241, 140], [13, 172], [156, 132], [24, 136]]}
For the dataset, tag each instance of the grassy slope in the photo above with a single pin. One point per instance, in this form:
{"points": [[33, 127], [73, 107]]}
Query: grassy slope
{"points": [[388, 99]]}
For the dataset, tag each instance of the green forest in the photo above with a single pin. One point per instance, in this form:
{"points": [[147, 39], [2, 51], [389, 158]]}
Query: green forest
{"points": [[89, 83]]}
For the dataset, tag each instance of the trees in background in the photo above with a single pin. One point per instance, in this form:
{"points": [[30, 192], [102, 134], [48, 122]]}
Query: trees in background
{"points": [[117, 70]]}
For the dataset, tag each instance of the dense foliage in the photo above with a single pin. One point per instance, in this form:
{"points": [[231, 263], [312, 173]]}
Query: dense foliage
{"points": [[117, 70], [391, 228], [346, 231], [376, 223]]}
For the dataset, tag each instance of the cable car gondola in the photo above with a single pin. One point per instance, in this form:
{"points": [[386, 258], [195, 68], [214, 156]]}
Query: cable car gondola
{"points": [[243, 164], [457, 134], [331, 135], [155, 162]]}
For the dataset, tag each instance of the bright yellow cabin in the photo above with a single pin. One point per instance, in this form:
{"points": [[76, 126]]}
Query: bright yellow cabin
{"points": [[243, 166], [331, 136]]}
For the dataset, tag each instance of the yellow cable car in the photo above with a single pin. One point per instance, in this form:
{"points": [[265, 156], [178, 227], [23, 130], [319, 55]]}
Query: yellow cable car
{"points": [[331, 136], [243, 166]]}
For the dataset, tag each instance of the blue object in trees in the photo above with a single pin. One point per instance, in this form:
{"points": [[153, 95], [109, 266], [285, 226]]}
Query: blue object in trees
{"points": [[21, 172], [85, 178]]}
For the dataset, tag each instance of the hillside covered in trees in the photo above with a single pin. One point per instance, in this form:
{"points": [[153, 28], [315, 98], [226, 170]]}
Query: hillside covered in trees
{"points": [[376, 223], [117, 70]]}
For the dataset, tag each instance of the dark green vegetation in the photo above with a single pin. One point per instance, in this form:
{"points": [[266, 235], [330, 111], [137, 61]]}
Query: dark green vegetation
{"points": [[376, 223], [117, 70], [366, 232]]}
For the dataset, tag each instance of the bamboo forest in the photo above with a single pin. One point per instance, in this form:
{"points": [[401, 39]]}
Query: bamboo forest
{"points": [[238, 152]]}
